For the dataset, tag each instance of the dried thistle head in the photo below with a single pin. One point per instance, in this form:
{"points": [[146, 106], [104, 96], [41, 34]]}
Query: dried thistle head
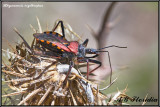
{"points": [[39, 79]]}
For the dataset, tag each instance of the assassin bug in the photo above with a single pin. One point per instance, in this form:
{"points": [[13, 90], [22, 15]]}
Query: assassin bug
{"points": [[71, 50]]}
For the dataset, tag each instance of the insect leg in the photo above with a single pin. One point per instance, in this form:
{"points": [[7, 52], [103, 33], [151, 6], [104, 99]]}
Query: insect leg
{"points": [[70, 67], [62, 27], [110, 66], [92, 56], [33, 43], [87, 68], [90, 60], [85, 42], [96, 62]]}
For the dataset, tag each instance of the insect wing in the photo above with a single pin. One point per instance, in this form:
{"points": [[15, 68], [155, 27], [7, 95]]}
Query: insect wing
{"points": [[52, 41]]}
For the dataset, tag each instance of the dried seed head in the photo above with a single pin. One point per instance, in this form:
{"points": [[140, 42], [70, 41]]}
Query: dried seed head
{"points": [[39, 79], [42, 80]]}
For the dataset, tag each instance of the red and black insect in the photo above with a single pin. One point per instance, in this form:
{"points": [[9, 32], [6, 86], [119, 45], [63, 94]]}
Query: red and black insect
{"points": [[69, 50]]}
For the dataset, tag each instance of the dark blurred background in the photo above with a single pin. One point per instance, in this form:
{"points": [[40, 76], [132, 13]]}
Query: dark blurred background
{"points": [[135, 66]]}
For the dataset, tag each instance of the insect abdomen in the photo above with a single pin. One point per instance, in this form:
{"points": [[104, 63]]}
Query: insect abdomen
{"points": [[50, 46]]}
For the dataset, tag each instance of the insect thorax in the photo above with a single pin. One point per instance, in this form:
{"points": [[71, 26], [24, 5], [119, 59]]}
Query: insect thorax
{"points": [[81, 51], [68, 55]]}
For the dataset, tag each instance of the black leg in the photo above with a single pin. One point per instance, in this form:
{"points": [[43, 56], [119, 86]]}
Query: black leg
{"points": [[85, 43], [90, 60], [92, 56], [110, 67], [70, 67], [87, 68], [62, 27], [32, 43], [96, 62]]}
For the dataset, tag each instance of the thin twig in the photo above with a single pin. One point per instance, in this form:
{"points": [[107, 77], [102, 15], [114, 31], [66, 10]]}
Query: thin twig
{"points": [[144, 102], [15, 93], [14, 73], [101, 38], [33, 28], [30, 95], [39, 25], [10, 45], [105, 20], [11, 99], [74, 101], [45, 95], [108, 85], [104, 30], [26, 44]]}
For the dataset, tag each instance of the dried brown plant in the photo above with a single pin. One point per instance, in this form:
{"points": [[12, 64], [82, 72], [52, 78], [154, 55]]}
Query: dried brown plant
{"points": [[39, 79]]}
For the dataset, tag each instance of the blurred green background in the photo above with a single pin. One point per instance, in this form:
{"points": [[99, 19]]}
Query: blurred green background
{"points": [[137, 29]]}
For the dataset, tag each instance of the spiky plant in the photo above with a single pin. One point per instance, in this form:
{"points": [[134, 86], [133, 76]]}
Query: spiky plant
{"points": [[39, 79]]}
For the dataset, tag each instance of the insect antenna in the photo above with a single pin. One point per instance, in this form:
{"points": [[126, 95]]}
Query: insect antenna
{"points": [[101, 51], [112, 46]]}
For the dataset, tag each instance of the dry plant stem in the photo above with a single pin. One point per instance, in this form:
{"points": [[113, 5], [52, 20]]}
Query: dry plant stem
{"points": [[98, 99], [104, 102], [22, 79], [45, 70], [13, 73], [33, 28], [13, 54], [104, 30], [30, 95], [27, 46], [101, 38], [15, 93], [11, 99], [74, 101], [83, 78], [145, 100], [39, 25], [10, 45], [53, 102], [108, 85], [45, 95], [8, 66]]}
